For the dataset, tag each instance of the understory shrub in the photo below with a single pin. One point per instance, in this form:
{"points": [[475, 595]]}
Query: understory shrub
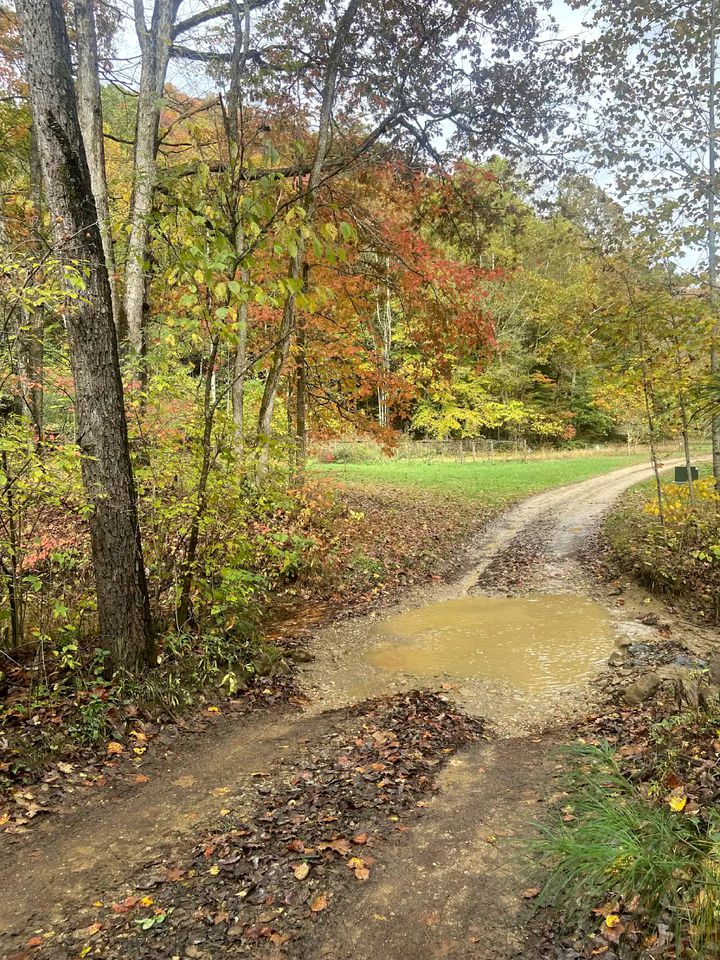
{"points": [[681, 556]]}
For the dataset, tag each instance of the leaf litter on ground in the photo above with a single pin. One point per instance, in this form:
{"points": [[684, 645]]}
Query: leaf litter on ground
{"points": [[252, 886]]}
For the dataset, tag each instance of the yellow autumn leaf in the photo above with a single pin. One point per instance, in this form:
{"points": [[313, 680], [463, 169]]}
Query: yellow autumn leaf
{"points": [[147, 902], [612, 920], [677, 803], [214, 870], [301, 871], [114, 747]]}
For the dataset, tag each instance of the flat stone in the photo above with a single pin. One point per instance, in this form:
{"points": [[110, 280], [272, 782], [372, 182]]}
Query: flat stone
{"points": [[642, 689]]}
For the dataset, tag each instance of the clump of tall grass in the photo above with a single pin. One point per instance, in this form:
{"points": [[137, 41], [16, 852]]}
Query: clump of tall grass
{"points": [[618, 845]]}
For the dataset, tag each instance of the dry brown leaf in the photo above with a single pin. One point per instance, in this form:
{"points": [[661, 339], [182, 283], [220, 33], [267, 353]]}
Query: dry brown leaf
{"points": [[319, 903]]}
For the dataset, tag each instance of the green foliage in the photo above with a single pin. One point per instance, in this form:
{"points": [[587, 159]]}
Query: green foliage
{"points": [[620, 846], [681, 557]]}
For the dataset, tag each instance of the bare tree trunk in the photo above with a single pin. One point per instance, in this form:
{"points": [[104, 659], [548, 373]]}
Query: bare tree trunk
{"points": [[301, 369], [272, 383], [385, 324], [650, 414], [239, 373], [241, 44], [87, 87], [712, 236], [279, 359], [185, 613], [155, 44], [123, 605]]}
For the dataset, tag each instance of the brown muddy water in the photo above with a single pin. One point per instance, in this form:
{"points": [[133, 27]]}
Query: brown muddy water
{"points": [[539, 643]]}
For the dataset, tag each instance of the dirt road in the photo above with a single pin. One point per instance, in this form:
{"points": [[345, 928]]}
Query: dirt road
{"points": [[456, 877]]}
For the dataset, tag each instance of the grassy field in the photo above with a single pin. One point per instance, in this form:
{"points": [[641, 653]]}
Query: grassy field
{"points": [[488, 482]]}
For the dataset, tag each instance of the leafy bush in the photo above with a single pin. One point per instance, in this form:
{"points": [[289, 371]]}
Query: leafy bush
{"points": [[353, 452], [683, 555]]}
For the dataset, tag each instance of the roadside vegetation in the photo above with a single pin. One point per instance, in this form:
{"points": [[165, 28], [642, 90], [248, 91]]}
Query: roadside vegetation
{"points": [[632, 858], [671, 546]]}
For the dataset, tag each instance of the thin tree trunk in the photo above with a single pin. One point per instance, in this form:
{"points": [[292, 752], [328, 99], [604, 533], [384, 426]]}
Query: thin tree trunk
{"points": [[89, 103], [649, 413], [184, 617], [272, 383], [712, 236], [301, 401], [35, 349], [239, 373], [241, 44], [123, 605], [155, 44]]}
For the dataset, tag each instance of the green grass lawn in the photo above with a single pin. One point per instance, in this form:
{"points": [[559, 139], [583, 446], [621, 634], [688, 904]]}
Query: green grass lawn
{"points": [[489, 482]]}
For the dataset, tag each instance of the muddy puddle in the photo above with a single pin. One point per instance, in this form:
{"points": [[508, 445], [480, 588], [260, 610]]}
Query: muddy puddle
{"points": [[538, 644]]}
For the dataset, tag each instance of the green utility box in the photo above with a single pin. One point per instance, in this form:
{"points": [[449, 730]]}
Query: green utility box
{"points": [[681, 474]]}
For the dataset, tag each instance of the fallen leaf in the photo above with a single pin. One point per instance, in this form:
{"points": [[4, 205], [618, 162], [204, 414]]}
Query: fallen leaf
{"points": [[279, 938], [530, 893], [319, 903]]}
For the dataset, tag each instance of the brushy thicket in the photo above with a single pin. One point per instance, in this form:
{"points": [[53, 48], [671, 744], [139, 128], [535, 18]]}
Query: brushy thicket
{"points": [[254, 539], [681, 557]]}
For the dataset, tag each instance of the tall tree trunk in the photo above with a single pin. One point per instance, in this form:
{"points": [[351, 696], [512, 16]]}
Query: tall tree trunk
{"points": [[155, 44], [239, 372], [386, 331], [90, 114], [241, 44], [185, 615], [301, 399], [280, 355], [279, 358], [712, 236], [123, 606]]}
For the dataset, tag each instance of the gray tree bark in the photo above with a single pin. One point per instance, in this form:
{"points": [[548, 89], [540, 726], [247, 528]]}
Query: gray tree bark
{"points": [[155, 47], [241, 44], [123, 606], [87, 87], [712, 234]]}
